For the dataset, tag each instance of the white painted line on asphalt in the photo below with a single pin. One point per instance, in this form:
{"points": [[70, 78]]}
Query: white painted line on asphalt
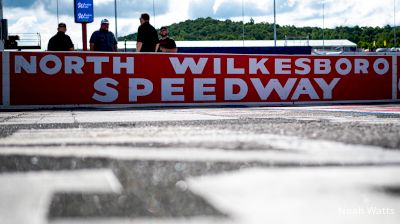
{"points": [[308, 195], [112, 116], [167, 135], [140, 116], [191, 220], [365, 110], [6, 78], [62, 117], [198, 145], [26, 197], [290, 149], [49, 118]]}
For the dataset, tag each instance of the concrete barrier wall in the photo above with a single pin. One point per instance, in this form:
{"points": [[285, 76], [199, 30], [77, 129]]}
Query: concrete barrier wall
{"points": [[76, 79]]}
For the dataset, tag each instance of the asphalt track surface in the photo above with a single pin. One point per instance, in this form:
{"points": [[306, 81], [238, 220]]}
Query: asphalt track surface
{"points": [[333, 164]]}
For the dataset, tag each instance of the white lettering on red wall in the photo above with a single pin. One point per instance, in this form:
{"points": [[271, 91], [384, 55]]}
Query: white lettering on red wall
{"points": [[61, 78]]}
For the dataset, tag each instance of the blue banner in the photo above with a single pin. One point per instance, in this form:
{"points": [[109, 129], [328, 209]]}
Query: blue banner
{"points": [[83, 11]]}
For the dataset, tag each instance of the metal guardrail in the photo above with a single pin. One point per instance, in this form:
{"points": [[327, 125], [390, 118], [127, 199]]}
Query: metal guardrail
{"points": [[23, 41], [297, 41]]}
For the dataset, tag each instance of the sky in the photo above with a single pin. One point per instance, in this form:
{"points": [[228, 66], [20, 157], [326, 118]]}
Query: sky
{"points": [[40, 16]]}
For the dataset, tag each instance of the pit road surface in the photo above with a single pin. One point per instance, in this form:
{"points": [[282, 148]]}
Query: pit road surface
{"points": [[335, 164]]}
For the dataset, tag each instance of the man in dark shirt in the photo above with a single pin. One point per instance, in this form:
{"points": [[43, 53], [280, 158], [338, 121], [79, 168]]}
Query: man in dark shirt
{"points": [[60, 41], [166, 44], [147, 37], [103, 40]]}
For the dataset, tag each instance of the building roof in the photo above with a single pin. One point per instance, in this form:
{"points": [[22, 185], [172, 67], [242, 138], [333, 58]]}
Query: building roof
{"points": [[255, 43]]}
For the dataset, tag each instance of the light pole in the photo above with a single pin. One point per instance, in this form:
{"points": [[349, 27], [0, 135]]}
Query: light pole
{"points": [[323, 25], [116, 19], [1, 9], [274, 23], [154, 14], [58, 19], [394, 24], [243, 21], [1, 26]]}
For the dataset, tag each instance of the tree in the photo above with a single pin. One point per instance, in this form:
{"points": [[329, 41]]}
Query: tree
{"points": [[212, 29], [251, 21]]}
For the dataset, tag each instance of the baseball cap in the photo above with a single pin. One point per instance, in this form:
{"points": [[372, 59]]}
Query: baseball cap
{"points": [[61, 25], [105, 21], [163, 28]]}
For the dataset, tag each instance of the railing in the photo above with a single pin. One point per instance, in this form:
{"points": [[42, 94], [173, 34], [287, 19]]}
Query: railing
{"points": [[297, 41], [20, 41]]}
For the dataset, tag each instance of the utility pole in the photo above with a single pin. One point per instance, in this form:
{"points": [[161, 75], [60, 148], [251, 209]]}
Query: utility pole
{"points": [[275, 24], [58, 18], [116, 19], [323, 25], [243, 21], [394, 24], [1, 27], [1, 9], [154, 13]]}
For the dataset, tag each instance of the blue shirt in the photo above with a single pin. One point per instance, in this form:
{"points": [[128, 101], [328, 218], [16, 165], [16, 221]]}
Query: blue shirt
{"points": [[103, 40]]}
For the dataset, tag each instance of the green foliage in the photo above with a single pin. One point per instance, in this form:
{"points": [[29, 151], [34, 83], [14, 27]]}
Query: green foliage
{"points": [[212, 29]]}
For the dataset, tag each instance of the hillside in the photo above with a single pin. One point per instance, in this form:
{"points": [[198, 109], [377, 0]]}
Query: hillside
{"points": [[212, 29]]}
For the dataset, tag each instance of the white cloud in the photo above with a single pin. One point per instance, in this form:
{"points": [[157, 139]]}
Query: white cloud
{"points": [[36, 18], [178, 11], [27, 21], [217, 5]]}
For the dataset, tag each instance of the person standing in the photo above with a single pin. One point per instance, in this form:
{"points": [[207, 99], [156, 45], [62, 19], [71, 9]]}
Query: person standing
{"points": [[103, 40], [147, 37], [166, 44], [60, 41]]}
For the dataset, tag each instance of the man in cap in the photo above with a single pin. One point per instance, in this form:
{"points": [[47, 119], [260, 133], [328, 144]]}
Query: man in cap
{"points": [[147, 37], [60, 41], [166, 44], [103, 40]]}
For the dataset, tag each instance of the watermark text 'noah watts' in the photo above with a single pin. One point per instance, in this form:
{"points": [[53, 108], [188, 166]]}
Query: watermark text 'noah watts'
{"points": [[361, 211]]}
